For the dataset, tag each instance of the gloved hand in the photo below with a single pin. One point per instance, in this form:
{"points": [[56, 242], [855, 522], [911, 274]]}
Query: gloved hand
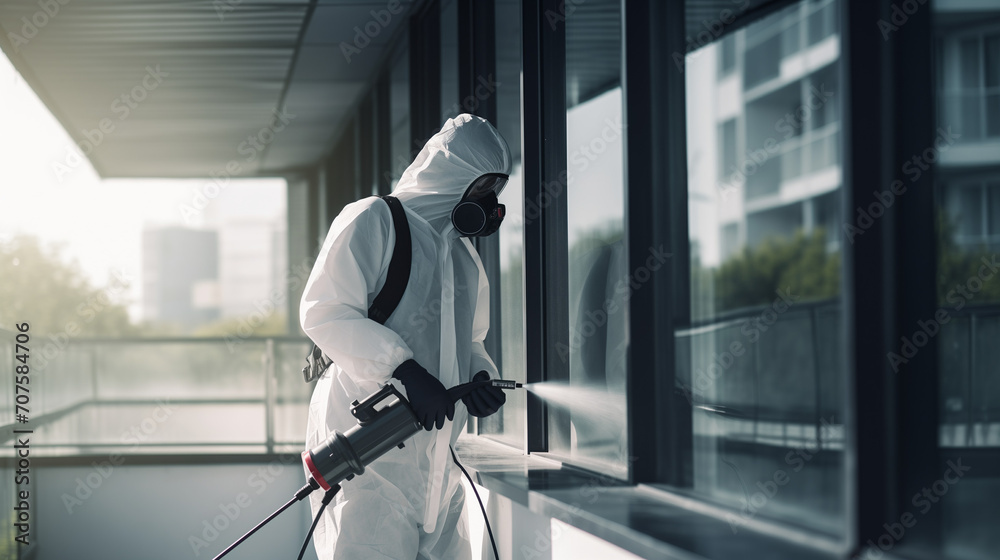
{"points": [[486, 400], [426, 394]]}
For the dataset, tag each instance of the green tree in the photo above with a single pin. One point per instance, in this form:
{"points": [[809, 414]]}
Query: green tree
{"points": [[801, 263], [41, 287], [957, 265]]}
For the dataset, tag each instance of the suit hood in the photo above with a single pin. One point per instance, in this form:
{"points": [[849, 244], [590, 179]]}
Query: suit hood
{"points": [[465, 148]]}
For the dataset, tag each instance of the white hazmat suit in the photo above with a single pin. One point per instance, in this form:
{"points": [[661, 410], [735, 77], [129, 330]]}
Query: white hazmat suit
{"points": [[409, 503]]}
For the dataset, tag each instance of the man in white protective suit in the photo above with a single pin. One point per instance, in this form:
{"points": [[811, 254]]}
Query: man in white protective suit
{"points": [[409, 504]]}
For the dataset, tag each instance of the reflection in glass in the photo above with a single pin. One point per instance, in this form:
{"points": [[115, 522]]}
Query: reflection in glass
{"points": [[762, 362], [967, 182], [589, 420]]}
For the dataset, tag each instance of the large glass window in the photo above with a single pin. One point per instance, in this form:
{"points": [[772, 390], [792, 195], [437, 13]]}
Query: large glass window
{"points": [[761, 362], [967, 174], [589, 425], [509, 424]]}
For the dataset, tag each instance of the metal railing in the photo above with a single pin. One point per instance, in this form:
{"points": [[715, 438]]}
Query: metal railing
{"points": [[779, 387], [165, 395], [788, 377]]}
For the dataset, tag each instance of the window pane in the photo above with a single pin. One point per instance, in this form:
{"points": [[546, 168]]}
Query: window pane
{"points": [[763, 61], [761, 363], [589, 426], [508, 426], [968, 288], [727, 147], [970, 115]]}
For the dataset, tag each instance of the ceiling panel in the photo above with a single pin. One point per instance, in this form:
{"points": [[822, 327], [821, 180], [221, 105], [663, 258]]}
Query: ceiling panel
{"points": [[185, 84]]}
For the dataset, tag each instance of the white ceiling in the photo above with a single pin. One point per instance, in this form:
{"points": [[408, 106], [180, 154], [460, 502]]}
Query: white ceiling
{"points": [[226, 67]]}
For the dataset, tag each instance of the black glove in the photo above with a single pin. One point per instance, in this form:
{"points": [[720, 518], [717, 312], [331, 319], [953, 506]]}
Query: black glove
{"points": [[427, 395], [486, 400]]}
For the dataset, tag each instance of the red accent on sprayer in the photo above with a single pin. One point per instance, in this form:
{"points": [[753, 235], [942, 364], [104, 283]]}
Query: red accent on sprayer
{"points": [[308, 460]]}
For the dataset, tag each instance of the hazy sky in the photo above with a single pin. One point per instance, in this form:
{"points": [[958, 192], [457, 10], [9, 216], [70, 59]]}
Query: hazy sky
{"points": [[98, 221]]}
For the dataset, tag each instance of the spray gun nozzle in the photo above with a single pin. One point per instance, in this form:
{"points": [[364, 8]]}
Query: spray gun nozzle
{"points": [[506, 384]]}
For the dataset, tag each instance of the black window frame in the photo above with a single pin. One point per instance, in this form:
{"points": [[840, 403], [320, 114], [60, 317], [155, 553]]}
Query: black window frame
{"points": [[891, 427]]}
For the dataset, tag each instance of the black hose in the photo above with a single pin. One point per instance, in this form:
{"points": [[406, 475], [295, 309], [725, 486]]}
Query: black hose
{"points": [[326, 501], [300, 495], [481, 506]]}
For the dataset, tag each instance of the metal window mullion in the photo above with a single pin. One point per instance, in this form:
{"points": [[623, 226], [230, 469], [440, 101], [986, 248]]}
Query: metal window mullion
{"points": [[916, 248], [477, 56], [425, 74], [656, 203], [866, 274], [356, 159], [383, 133], [544, 160]]}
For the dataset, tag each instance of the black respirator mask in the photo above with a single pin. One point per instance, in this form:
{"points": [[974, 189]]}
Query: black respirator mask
{"points": [[479, 213]]}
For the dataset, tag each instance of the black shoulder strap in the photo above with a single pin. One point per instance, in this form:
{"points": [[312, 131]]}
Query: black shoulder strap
{"points": [[397, 277], [399, 266]]}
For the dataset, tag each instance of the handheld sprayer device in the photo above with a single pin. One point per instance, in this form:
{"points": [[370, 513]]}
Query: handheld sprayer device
{"points": [[380, 428]]}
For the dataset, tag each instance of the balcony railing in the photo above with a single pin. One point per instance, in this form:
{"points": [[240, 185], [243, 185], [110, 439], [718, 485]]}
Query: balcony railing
{"points": [[156, 396], [786, 387]]}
